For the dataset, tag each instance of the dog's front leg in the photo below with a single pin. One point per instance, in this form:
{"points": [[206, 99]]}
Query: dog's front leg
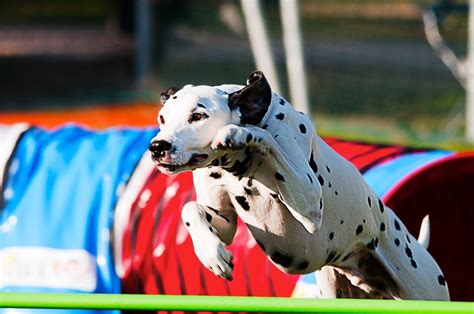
{"points": [[208, 237], [297, 184]]}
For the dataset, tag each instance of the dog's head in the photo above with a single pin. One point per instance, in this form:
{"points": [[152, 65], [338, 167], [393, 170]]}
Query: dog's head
{"points": [[191, 117]]}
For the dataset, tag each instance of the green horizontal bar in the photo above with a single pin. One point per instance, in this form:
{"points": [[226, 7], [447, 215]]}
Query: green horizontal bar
{"points": [[227, 304]]}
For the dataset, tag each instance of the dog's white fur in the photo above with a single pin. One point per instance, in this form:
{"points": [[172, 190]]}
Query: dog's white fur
{"points": [[307, 207]]}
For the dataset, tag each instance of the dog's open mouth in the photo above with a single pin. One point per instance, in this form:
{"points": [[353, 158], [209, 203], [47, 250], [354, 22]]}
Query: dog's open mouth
{"points": [[170, 168], [198, 158], [195, 160]]}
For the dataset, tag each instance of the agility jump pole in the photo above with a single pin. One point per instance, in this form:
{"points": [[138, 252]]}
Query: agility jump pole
{"points": [[225, 304]]}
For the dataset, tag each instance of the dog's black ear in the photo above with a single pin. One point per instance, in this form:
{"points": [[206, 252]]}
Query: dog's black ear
{"points": [[253, 100], [166, 95]]}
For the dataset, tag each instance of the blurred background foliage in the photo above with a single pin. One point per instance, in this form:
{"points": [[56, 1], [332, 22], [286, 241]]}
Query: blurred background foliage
{"points": [[371, 73]]}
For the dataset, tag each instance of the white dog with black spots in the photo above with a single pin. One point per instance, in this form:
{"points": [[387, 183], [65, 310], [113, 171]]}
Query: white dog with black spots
{"points": [[254, 156]]}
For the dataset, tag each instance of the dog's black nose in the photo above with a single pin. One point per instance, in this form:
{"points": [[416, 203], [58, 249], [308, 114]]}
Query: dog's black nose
{"points": [[158, 148]]}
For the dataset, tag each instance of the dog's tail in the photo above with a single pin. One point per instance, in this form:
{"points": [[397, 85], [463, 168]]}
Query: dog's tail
{"points": [[424, 236]]}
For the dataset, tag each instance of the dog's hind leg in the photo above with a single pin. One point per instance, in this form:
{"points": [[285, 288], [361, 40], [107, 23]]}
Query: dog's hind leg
{"points": [[409, 264], [334, 284]]}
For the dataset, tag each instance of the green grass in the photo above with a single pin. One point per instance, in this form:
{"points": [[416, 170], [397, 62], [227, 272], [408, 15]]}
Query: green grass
{"points": [[384, 130]]}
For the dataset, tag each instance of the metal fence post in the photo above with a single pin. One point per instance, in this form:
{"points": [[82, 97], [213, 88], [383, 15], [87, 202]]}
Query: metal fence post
{"points": [[259, 42], [294, 54], [143, 47]]}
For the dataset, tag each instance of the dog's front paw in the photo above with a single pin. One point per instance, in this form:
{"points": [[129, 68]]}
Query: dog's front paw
{"points": [[215, 257], [231, 137]]}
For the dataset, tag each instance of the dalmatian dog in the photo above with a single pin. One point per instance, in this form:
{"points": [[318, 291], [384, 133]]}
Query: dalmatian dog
{"points": [[254, 156]]}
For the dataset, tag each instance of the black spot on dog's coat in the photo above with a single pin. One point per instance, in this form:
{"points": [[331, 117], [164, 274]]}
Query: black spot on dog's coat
{"points": [[302, 128], [408, 252], [312, 164], [397, 242], [282, 101], [369, 201], [331, 235], [310, 179], [249, 138], [381, 207], [321, 179], [336, 192], [208, 217], [243, 202], [359, 229], [441, 280], [408, 238], [413, 263], [279, 177], [281, 259], [328, 169], [373, 244], [280, 116], [329, 184], [342, 221], [250, 182], [248, 191], [382, 227], [187, 224], [201, 105], [397, 225], [321, 203], [215, 175], [239, 168]]}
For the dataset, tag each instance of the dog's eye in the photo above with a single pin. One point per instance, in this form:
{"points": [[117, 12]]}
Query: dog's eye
{"points": [[162, 120], [197, 116]]}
